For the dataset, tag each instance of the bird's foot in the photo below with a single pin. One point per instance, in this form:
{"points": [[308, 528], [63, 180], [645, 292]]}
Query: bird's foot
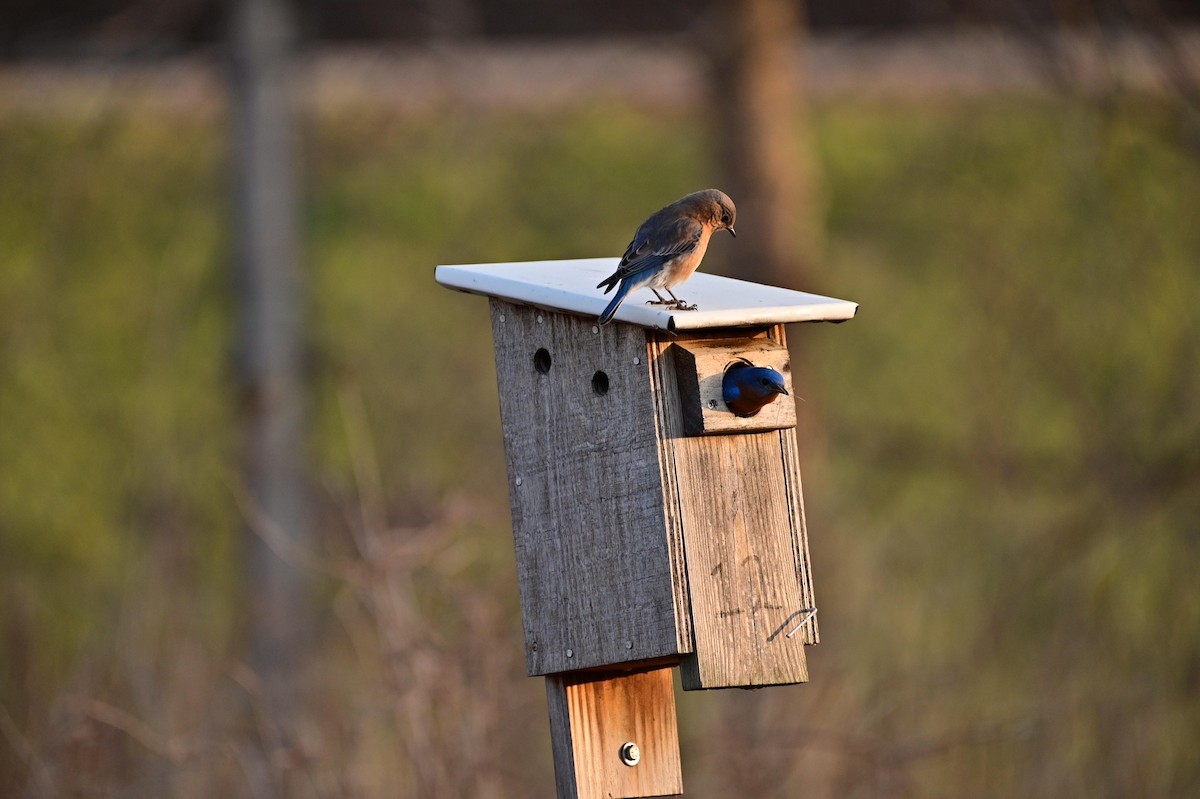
{"points": [[660, 302], [680, 305]]}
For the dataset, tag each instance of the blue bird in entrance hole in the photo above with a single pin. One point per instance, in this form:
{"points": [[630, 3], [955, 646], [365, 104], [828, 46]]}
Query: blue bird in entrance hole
{"points": [[746, 388]]}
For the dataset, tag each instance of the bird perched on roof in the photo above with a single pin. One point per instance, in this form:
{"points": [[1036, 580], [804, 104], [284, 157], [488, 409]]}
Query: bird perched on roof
{"points": [[746, 388], [668, 247]]}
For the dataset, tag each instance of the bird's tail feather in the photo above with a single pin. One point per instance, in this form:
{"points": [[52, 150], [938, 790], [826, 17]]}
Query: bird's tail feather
{"points": [[615, 303]]}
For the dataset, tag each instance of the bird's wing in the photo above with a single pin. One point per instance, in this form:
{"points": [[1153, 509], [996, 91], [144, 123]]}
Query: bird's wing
{"points": [[655, 244]]}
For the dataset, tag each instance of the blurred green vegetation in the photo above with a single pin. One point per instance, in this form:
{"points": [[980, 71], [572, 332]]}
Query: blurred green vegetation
{"points": [[1002, 451], [1014, 472]]}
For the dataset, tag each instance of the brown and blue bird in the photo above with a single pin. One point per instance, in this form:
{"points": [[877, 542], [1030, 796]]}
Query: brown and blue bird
{"points": [[667, 248], [747, 388]]}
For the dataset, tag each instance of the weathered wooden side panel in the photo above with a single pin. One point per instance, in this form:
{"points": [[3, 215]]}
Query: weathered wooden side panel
{"points": [[593, 559], [810, 633], [741, 518], [738, 543]]}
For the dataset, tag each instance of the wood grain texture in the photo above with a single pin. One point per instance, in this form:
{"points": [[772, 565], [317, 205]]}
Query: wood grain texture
{"points": [[740, 513], [741, 566], [790, 450], [700, 369], [668, 424], [593, 714], [594, 562]]}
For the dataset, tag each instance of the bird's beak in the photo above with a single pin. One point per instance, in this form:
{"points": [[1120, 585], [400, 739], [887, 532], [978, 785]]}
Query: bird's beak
{"points": [[732, 232], [780, 389]]}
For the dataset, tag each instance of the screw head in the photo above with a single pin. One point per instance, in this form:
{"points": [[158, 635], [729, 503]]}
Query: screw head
{"points": [[631, 755], [570, 653]]}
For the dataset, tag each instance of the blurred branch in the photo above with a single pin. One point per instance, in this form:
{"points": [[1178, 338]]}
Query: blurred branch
{"points": [[366, 464], [277, 540], [877, 748], [12, 733], [379, 548], [1095, 45], [1180, 67], [175, 749], [879, 760]]}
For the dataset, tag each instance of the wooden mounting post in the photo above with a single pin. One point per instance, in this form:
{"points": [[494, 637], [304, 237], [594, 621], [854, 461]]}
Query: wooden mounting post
{"points": [[614, 734]]}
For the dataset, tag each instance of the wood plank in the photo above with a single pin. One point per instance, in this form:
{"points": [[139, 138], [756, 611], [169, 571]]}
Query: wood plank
{"points": [[592, 715], [668, 421], [585, 484], [741, 519], [811, 632], [741, 566]]}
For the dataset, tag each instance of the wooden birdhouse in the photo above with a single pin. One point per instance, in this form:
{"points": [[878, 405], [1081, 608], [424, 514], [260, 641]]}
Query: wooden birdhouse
{"points": [[653, 527]]}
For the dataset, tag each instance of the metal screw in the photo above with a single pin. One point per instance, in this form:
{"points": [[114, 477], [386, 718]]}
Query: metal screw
{"points": [[712, 403], [631, 755], [570, 653], [518, 481], [539, 319], [629, 644], [637, 361], [501, 317], [595, 329]]}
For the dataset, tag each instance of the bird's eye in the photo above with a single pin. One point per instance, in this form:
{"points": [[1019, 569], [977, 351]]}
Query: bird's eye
{"points": [[766, 382], [724, 219]]}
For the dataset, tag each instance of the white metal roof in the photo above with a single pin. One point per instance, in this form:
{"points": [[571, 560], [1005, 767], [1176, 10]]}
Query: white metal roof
{"points": [[570, 285]]}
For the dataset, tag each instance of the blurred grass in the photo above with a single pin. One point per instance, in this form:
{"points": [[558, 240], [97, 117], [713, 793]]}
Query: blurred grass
{"points": [[1018, 414], [1002, 463]]}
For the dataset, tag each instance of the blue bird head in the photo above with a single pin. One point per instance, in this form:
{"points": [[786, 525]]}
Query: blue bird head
{"points": [[746, 388]]}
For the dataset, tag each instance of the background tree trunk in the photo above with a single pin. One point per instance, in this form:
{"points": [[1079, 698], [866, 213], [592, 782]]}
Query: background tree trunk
{"points": [[270, 350], [761, 139]]}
